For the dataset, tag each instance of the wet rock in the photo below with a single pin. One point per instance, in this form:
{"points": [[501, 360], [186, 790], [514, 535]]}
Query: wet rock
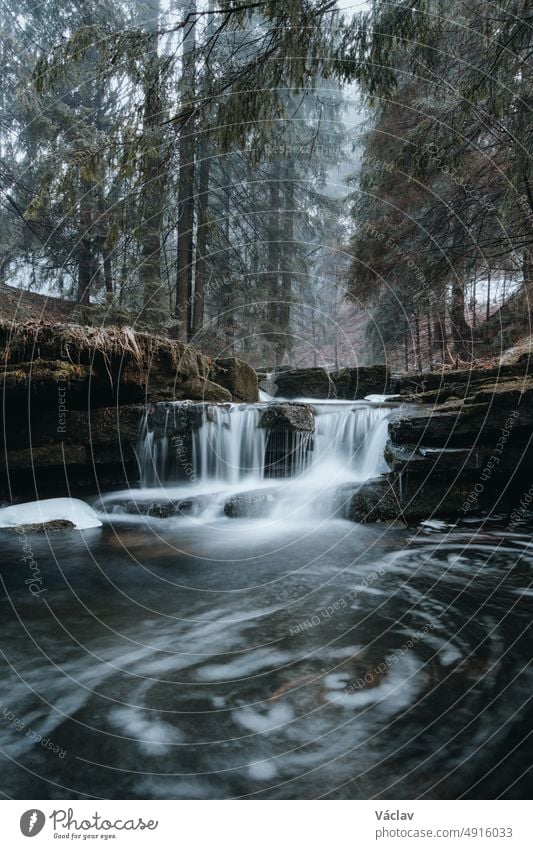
{"points": [[43, 527], [356, 383], [406, 499], [167, 509], [105, 425], [289, 417], [252, 504], [118, 425], [237, 377], [36, 384], [429, 387], [423, 461], [466, 424], [305, 383], [175, 419], [39, 458], [201, 390]]}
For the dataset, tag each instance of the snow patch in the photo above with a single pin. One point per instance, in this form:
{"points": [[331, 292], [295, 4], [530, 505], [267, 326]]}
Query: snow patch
{"points": [[50, 510]]}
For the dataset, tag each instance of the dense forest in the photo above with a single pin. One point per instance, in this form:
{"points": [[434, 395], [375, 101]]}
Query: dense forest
{"points": [[192, 167]]}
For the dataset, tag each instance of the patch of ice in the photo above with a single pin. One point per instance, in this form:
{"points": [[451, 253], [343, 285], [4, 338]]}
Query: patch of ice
{"points": [[50, 510]]}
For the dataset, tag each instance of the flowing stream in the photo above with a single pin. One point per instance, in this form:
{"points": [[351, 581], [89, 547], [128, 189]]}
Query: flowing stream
{"points": [[290, 654]]}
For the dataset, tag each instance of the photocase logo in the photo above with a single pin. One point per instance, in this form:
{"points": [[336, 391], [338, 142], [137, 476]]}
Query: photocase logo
{"points": [[32, 822]]}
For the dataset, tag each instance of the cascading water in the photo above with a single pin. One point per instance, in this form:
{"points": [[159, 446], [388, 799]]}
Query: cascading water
{"points": [[229, 446], [152, 454], [353, 437]]}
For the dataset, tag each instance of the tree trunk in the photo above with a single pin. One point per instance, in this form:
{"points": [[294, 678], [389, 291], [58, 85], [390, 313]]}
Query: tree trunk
{"points": [[430, 340], [439, 345], [284, 307], [227, 289], [186, 183], [4, 263], [85, 249], [108, 272], [201, 240], [418, 352], [273, 262], [527, 271], [461, 330], [153, 173]]}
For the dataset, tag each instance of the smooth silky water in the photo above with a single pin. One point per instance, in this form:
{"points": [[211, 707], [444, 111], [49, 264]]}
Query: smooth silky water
{"points": [[292, 655]]}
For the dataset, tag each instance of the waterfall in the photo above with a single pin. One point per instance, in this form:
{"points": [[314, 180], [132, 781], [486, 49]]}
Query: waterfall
{"points": [[227, 445], [152, 454], [353, 436]]}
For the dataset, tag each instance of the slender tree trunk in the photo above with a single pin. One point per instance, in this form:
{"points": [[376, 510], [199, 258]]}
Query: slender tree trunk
{"points": [[227, 291], [201, 240], [186, 182], [440, 348], [527, 271], [4, 263], [154, 172], [200, 270], [487, 315], [418, 352], [430, 340], [108, 272], [103, 250], [406, 352], [284, 307], [461, 330], [273, 262], [85, 249]]}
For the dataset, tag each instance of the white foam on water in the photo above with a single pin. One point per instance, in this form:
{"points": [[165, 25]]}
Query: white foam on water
{"points": [[248, 664], [274, 717], [262, 771], [154, 736]]}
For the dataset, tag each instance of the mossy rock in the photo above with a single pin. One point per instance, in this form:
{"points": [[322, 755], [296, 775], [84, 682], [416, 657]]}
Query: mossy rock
{"points": [[39, 372], [237, 377]]}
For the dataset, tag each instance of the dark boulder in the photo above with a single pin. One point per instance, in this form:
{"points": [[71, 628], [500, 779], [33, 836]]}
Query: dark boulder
{"points": [[305, 383], [289, 417], [392, 498], [237, 377], [422, 461], [356, 383], [251, 504], [43, 527], [199, 389]]}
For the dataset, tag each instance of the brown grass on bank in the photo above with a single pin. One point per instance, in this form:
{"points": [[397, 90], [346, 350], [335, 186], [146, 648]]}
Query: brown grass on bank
{"points": [[46, 341]]}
